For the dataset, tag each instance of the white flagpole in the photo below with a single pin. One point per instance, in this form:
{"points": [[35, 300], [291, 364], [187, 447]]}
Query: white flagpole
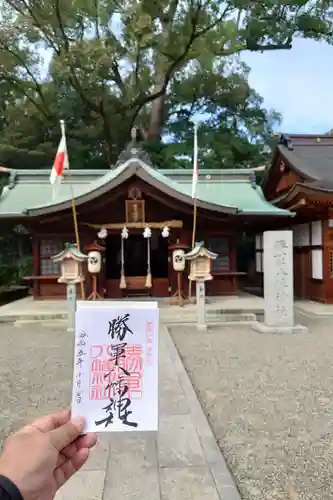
{"points": [[195, 176], [195, 182], [76, 227]]}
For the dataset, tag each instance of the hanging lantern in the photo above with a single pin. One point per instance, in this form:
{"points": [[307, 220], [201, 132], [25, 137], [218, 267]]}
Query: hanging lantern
{"points": [[178, 260], [165, 232], [102, 233], [124, 233]]}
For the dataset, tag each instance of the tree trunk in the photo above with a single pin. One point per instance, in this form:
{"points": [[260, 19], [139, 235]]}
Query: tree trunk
{"points": [[158, 112], [108, 137], [157, 118]]}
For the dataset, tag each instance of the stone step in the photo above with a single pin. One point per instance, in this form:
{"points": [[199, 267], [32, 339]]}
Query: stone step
{"points": [[32, 317], [170, 315], [182, 320], [211, 318]]}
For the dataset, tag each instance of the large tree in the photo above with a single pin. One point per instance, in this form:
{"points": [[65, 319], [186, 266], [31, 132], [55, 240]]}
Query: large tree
{"points": [[115, 64], [234, 132]]}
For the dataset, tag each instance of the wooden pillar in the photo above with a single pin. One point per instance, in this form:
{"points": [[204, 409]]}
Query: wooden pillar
{"points": [[327, 249], [233, 261], [36, 265]]}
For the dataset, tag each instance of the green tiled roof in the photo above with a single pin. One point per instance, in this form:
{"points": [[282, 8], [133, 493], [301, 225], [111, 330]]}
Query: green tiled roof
{"points": [[238, 193], [70, 248], [200, 246], [33, 188], [232, 190]]}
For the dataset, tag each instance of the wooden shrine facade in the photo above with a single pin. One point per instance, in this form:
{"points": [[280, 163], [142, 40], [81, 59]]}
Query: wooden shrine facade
{"points": [[112, 213], [300, 180], [135, 195]]}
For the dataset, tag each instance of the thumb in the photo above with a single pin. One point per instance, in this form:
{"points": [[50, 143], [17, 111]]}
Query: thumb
{"points": [[67, 433]]}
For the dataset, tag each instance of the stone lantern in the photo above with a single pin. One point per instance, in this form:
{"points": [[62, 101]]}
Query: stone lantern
{"points": [[200, 262], [71, 266], [200, 271]]}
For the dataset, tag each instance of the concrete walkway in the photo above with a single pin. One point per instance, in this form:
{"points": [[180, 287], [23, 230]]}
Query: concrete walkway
{"points": [[181, 462]]}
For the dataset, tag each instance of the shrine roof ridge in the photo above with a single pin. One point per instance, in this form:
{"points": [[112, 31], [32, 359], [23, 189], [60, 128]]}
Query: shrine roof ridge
{"points": [[43, 174]]}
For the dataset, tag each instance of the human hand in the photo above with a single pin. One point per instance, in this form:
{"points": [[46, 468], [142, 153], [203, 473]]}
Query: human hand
{"points": [[42, 456]]}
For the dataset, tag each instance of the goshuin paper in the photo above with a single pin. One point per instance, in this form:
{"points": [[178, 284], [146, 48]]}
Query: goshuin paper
{"points": [[115, 384]]}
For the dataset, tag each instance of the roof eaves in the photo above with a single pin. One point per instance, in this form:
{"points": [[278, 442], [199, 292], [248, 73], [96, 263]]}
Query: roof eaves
{"points": [[299, 188], [289, 194], [276, 213], [8, 215], [322, 189], [67, 173]]}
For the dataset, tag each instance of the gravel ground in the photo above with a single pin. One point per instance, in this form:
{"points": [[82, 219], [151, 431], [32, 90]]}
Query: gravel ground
{"points": [[269, 399], [36, 366]]}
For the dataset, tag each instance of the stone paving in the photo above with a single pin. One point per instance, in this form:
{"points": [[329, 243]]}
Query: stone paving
{"points": [[269, 400], [181, 462]]}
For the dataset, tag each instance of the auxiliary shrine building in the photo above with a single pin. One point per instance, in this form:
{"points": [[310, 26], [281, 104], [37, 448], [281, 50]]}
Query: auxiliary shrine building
{"points": [[136, 195], [301, 180]]}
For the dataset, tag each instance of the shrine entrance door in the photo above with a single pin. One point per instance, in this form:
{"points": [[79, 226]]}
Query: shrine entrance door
{"points": [[135, 265]]}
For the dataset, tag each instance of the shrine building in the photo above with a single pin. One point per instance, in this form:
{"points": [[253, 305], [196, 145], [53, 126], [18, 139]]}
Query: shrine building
{"points": [[301, 180], [135, 195]]}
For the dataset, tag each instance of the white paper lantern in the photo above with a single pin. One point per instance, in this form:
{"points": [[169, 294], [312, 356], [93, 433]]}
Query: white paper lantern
{"points": [[124, 233], [94, 262], [178, 260]]}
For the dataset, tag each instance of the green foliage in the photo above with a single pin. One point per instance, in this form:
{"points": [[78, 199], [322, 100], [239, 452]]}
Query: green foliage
{"points": [[15, 254], [8, 274], [13, 273], [106, 65], [11, 278], [237, 131]]}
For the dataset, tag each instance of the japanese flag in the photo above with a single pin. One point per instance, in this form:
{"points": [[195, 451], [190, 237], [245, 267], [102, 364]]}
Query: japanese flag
{"points": [[61, 160]]}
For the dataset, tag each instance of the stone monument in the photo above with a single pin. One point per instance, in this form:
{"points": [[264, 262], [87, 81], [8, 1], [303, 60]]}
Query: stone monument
{"points": [[278, 284]]}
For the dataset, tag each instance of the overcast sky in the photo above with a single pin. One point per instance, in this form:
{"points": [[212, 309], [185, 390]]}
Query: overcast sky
{"points": [[297, 83]]}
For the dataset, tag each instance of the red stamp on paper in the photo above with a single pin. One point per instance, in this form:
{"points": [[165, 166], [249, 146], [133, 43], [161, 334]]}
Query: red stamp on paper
{"points": [[149, 342], [109, 364]]}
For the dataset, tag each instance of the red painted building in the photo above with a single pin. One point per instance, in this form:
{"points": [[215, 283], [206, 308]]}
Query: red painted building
{"points": [[301, 180]]}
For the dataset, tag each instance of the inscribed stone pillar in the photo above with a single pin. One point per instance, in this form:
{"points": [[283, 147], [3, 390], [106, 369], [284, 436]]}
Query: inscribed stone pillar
{"points": [[201, 305], [71, 304], [278, 284]]}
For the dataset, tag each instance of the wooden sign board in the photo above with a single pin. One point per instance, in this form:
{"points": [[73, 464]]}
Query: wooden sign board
{"points": [[135, 211]]}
